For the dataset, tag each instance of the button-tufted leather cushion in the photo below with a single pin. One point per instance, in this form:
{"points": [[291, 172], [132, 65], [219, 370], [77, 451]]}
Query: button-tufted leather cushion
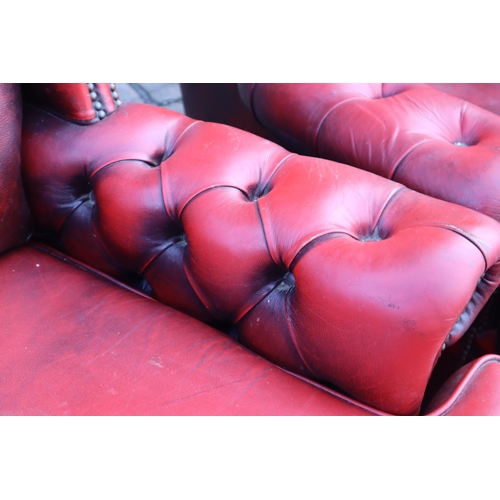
{"points": [[15, 220], [414, 134], [327, 270]]}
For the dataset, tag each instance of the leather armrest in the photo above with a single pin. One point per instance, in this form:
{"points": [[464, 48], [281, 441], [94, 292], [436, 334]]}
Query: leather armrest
{"points": [[83, 103], [473, 390]]}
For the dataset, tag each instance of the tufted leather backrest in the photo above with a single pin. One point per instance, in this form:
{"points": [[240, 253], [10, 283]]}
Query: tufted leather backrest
{"points": [[428, 140], [327, 270], [15, 220]]}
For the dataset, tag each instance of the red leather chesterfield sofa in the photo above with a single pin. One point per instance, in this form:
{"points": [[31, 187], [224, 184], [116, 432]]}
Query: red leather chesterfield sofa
{"points": [[141, 249]]}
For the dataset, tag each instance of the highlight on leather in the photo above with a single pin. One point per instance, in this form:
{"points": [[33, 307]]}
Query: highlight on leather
{"points": [[329, 271], [428, 140], [83, 103]]}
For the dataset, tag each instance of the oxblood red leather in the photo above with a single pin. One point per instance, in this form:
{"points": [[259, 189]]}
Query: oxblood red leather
{"points": [[83, 103], [75, 343], [473, 390], [15, 220], [486, 95], [414, 134], [326, 270]]}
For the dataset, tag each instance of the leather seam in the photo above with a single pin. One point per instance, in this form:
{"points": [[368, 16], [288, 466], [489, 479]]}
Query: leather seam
{"points": [[405, 155], [339, 395], [318, 239], [261, 223], [292, 334], [464, 234], [251, 103], [88, 269], [325, 117], [115, 162], [174, 145], [389, 200]]}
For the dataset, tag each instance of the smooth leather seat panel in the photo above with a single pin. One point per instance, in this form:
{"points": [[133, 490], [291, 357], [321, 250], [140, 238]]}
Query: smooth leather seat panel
{"points": [[75, 343], [329, 271]]}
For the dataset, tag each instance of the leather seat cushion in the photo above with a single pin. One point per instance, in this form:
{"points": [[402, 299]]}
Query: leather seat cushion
{"points": [[73, 342]]}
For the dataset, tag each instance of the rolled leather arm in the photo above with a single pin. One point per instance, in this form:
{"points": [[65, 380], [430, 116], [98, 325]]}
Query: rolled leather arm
{"points": [[327, 270], [430, 141], [473, 390], [83, 103]]}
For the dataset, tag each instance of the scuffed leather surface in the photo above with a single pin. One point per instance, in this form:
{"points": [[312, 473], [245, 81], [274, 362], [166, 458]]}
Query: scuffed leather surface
{"points": [[75, 343], [471, 391], [15, 220], [428, 140], [327, 270]]}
